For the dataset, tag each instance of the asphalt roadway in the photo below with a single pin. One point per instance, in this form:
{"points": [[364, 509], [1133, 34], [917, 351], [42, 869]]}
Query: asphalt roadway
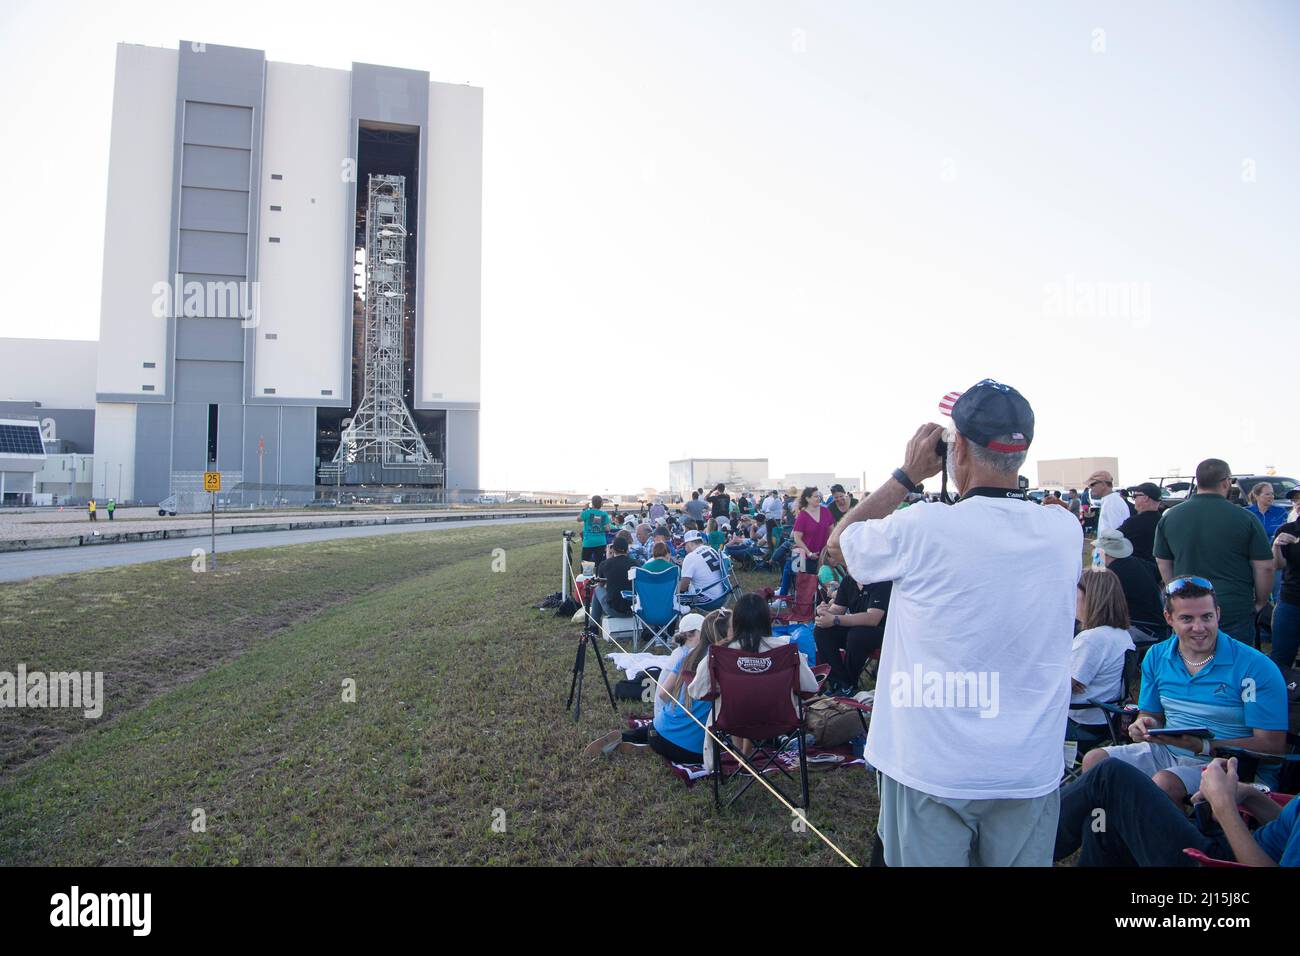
{"points": [[21, 565]]}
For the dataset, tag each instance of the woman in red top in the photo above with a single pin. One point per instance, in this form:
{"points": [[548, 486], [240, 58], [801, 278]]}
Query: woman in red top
{"points": [[812, 528]]}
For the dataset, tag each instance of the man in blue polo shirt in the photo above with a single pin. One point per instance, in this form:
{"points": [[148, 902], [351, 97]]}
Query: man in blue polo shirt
{"points": [[1200, 678]]}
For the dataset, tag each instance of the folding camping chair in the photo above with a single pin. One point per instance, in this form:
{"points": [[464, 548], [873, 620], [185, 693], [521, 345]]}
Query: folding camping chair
{"points": [[801, 607], [1124, 705], [763, 705], [655, 605], [1114, 710]]}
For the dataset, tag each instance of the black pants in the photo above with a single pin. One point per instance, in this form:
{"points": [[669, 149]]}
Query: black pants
{"points": [[857, 644], [664, 748], [1142, 825], [594, 555]]}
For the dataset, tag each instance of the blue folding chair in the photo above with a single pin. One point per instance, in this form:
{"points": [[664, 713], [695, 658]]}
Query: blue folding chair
{"points": [[655, 605]]}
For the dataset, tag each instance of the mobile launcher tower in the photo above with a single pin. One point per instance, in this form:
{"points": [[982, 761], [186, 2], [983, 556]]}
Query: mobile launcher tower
{"points": [[381, 443]]}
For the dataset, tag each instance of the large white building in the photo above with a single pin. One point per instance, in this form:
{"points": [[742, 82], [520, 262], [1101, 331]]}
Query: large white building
{"points": [[688, 474], [230, 331]]}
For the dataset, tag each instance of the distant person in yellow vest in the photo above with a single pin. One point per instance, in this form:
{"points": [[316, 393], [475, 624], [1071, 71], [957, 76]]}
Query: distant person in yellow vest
{"points": [[91, 508], [112, 506]]}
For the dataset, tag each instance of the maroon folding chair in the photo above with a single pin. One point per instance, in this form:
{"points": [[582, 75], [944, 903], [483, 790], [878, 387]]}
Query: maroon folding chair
{"points": [[762, 703], [800, 607]]}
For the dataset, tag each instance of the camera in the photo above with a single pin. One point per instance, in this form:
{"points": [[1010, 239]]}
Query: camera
{"points": [[570, 534]]}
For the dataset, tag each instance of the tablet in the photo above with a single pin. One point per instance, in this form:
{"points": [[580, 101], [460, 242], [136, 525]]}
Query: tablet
{"points": [[1202, 732]]}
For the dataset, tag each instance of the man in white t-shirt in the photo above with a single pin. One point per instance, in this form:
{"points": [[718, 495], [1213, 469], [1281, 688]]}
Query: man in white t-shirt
{"points": [[702, 573], [1114, 509], [974, 680]]}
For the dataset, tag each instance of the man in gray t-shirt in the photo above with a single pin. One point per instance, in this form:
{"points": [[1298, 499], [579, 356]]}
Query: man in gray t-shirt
{"points": [[696, 509]]}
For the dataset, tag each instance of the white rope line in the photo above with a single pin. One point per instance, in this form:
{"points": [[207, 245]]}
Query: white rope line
{"points": [[756, 774]]}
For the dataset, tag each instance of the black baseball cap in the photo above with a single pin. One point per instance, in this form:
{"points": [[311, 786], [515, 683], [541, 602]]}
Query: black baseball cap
{"points": [[1150, 489], [989, 410]]}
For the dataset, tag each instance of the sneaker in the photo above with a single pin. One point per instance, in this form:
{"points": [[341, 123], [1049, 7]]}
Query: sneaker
{"points": [[603, 744]]}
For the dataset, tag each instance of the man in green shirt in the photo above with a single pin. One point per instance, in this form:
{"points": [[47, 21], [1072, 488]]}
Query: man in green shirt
{"points": [[1209, 536]]}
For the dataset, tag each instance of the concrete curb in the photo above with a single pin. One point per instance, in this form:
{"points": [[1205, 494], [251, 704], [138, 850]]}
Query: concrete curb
{"points": [[87, 540]]}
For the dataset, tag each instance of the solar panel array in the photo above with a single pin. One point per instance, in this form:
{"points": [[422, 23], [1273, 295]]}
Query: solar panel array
{"points": [[21, 440]]}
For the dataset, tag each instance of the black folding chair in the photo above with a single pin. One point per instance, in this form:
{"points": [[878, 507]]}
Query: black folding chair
{"points": [[1125, 705]]}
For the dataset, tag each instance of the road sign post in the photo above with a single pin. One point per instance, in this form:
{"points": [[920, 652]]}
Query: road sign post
{"points": [[212, 484]]}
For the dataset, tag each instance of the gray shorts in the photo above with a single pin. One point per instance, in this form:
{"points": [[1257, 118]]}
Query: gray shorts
{"points": [[918, 829], [1152, 758]]}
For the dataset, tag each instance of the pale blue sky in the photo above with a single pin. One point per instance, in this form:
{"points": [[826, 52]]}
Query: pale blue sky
{"points": [[786, 229]]}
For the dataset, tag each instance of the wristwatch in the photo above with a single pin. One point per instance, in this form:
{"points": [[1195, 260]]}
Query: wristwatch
{"points": [[900, 476], [837, 620]]}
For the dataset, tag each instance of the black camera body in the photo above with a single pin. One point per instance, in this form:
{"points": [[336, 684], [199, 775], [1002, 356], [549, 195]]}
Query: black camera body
{"points": [[570, 534]]}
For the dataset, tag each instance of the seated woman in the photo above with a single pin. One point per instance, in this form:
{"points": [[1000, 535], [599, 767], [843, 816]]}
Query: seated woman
{"points": [[716, 536], [673, 734], [750, 630], [1097, 655], [664, 536], [660, 559], [854, 623]]}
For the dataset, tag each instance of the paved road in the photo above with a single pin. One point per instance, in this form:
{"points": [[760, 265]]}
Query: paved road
{"points": [[21, 565]]}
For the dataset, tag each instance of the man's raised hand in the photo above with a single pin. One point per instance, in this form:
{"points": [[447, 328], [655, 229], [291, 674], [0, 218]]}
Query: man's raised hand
{"points": [[922, 459]]}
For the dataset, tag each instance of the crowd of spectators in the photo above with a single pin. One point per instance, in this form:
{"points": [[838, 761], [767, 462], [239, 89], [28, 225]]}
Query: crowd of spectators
{"points": [[996, 647]]}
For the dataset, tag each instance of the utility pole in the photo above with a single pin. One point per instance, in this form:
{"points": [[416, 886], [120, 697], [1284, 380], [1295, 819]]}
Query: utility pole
{"points": [[261, 451]]}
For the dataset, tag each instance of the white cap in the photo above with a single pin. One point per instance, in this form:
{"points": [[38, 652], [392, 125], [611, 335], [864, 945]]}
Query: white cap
{"points": [[690, 622], [693, 535]]}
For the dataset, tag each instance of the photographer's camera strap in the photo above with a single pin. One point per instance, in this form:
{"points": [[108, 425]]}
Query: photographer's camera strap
{"points": [[1013, 493]]}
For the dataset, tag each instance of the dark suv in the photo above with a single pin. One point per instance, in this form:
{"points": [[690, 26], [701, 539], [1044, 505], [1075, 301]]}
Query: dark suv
{"points": [[1281, 485]]}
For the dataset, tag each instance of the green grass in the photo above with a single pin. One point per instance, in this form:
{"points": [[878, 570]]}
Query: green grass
{"points": [[225, 693]]}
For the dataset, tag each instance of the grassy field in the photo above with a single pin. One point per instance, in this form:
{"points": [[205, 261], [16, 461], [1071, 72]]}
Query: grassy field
{"points": [[225, 695]]}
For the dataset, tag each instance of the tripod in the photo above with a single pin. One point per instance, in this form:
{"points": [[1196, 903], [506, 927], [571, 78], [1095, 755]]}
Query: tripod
{"points": [[589, 632]]}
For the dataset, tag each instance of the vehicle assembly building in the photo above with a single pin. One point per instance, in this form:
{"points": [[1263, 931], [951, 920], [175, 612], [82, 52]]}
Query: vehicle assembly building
{"points": [[291, 276]]}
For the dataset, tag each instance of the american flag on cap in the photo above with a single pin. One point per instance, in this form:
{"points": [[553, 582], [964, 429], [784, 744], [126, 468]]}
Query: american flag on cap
{"points": [[947, 402]]}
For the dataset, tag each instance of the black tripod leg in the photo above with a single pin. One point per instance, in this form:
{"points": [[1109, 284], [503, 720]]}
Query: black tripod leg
{"points": [[579, 670], [600, 659]]}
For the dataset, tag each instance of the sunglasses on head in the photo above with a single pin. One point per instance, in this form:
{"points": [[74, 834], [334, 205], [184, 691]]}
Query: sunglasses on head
{"points": [[1179, 584]]}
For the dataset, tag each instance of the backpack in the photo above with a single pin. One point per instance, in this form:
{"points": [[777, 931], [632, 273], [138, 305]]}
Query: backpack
{"points": [[641, 688], [832, 722]]}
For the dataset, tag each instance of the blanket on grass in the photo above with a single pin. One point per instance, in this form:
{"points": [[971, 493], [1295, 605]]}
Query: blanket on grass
{"points": [[819, 758]]}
